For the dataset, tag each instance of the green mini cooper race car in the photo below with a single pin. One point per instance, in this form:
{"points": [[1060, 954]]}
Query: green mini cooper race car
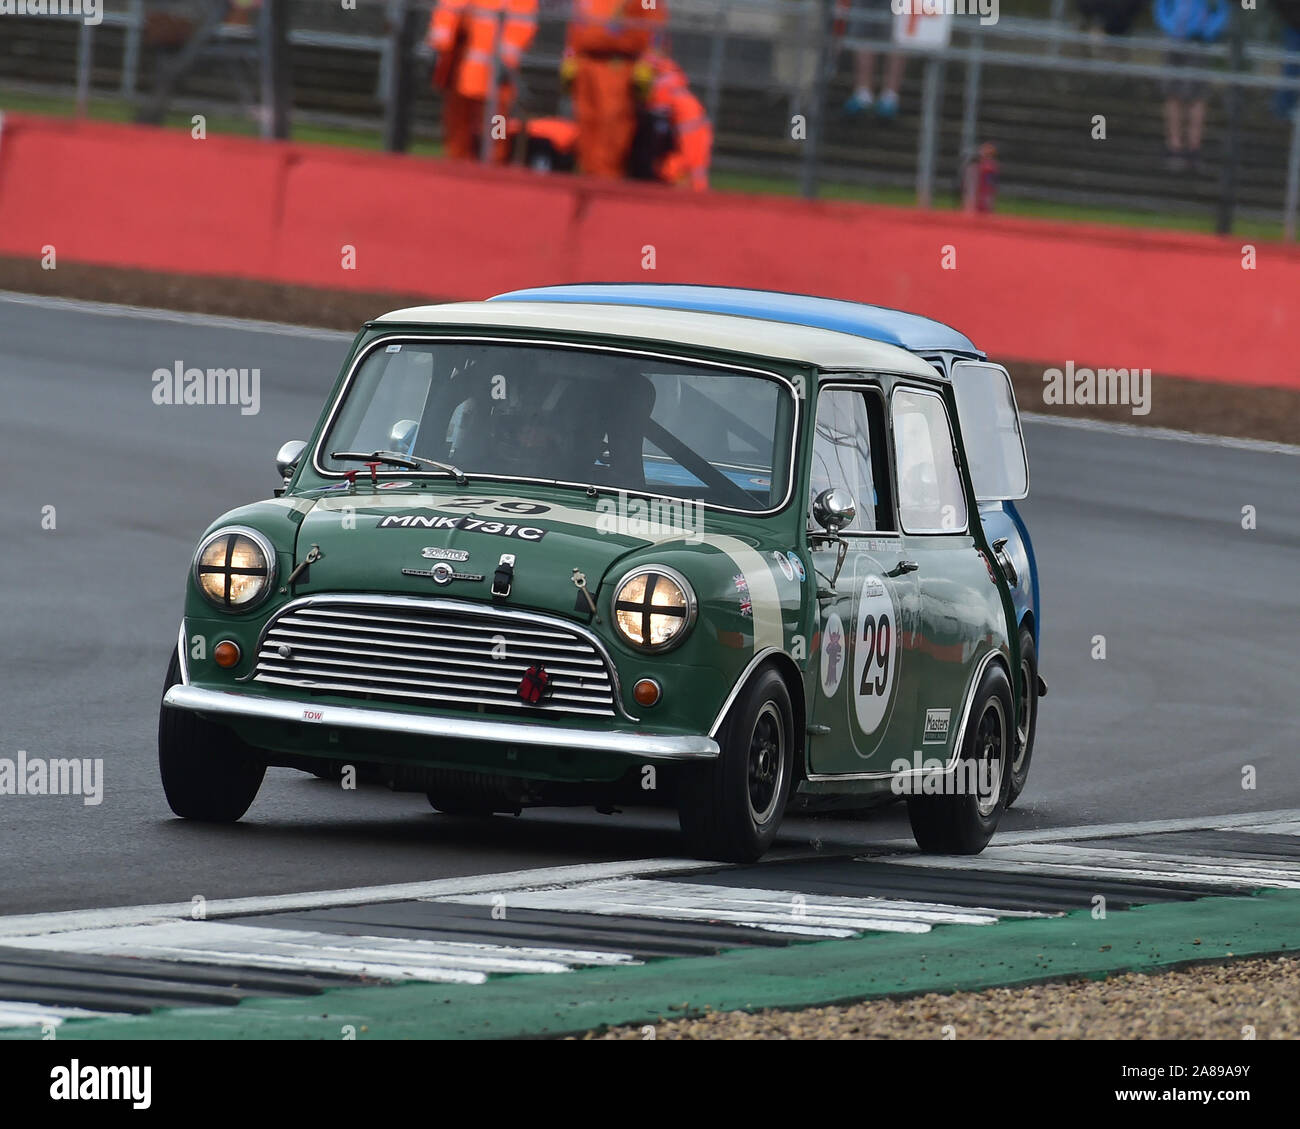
{"points": [[581, 553]]}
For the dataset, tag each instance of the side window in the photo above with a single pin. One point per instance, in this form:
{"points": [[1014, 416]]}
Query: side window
{"points": [[930, 495], [990, 428], [849, 453]]}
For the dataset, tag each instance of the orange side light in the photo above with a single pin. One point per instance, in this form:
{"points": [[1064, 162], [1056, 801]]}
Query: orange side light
{"points": [[226, 654], [646, 692]]}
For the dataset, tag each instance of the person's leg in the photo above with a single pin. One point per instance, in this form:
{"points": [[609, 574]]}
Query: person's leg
{"points": [[458, 125], [1195, 127], [1173, 125], [1195, 124], [887, 107], [864, 79]]}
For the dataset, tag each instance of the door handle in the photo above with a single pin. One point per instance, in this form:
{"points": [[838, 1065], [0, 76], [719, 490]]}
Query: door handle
{"points": [[902, 567]]}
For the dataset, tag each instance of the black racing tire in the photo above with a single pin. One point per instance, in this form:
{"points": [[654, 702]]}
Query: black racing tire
{"points": [[731, 808], [1027, 720], [208, 774], [963, 823]]}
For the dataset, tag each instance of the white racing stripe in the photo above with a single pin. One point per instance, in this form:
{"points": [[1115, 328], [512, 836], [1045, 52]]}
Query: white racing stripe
{"points": [[764, 599]]}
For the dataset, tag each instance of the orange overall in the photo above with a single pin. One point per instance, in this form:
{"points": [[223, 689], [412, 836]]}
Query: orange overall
{"points": [[464, 35], [669, 94], [605, 38]]}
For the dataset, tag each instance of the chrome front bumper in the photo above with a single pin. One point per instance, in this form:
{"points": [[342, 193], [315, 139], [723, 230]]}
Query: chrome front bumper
{"points": [[649, 746]]}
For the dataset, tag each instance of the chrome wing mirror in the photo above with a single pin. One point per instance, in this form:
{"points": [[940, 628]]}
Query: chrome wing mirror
{"points": [[286, 459], [833, 509]]}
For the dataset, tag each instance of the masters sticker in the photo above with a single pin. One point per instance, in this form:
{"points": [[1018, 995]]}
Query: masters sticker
{"points": [[875, 654], [936, 727], [833, 648]]}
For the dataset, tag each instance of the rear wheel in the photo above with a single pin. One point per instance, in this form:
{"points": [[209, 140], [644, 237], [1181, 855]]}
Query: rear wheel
{"points": [[1027, 719], [731, 808], [962, 822], [207, 772]]}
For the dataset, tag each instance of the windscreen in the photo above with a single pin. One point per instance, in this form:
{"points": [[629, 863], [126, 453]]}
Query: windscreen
{"points": [[586, 417]]}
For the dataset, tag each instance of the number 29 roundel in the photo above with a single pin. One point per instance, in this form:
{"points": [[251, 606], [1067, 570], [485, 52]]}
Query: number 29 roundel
{"points": [[875, 654]]}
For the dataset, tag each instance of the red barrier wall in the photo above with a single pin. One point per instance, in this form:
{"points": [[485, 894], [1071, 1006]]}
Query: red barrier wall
{"points": [[157, 199]]}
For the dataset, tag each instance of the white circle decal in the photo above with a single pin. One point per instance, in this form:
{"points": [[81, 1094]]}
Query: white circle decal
{"points": [[875, 653], [834, 647]]}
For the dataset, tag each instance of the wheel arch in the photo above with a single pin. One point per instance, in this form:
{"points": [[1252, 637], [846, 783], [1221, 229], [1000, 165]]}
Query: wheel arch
{"points": [[774, 659]]}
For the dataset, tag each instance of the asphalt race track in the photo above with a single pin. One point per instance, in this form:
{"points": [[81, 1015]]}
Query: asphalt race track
{"points": [[1139, 540]]}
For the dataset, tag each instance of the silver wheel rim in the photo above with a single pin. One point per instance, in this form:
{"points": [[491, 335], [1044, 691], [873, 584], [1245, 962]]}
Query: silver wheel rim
{"points": [[766, 764], [1028, 703], [990, 750]]}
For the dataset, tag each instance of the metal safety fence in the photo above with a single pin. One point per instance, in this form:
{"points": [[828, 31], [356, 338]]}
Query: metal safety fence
{"points": [[773, 75]]}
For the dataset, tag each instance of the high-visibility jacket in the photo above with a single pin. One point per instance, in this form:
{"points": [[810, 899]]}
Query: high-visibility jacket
{"points": [[465, 36], [613, 28], [670, 94]]}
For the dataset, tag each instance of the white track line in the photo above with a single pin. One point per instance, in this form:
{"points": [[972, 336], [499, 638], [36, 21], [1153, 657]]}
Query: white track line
{"points": [[177, 317], [1067, 859], [391, 958], [16, 1013], [1240, 821], [785, 911], [1137, 430], [39, 923], [24, 925]]}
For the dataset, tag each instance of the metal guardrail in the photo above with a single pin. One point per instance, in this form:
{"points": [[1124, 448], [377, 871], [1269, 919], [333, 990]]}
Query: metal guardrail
{"points": [[803, 53]]}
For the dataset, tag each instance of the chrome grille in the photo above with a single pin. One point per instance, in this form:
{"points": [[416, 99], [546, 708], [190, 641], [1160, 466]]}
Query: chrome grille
{"points": [[435, 651]]}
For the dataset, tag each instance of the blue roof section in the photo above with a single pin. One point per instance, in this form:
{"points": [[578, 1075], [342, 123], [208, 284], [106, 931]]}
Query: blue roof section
{"points": [[877, 323]]}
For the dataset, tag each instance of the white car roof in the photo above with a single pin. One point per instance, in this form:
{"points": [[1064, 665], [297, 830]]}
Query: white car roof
{"points": [[825, 348]]}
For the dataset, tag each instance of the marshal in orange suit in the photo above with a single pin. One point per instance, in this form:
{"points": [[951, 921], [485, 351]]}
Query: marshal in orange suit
{"points": [[605, 39], [464, 35]]}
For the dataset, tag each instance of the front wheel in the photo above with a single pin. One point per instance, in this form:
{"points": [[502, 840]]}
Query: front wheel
{"points": [[961, 818], [730, 809], [207, 772]]}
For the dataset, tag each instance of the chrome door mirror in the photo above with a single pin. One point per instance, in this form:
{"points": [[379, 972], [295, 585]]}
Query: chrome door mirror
{"points": [[833, 509], [286, 459], [402, 436]]}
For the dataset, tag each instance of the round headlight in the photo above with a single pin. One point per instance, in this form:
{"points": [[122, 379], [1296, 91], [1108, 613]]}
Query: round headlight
{"points": [[654, 607], [235, 568]]}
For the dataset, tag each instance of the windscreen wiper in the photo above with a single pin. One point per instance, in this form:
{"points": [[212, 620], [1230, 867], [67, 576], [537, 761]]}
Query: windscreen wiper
{"points": [[406, 462]]}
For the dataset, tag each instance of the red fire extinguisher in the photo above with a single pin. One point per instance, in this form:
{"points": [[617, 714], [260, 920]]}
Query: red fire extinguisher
{"points": [[980, 180]]}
